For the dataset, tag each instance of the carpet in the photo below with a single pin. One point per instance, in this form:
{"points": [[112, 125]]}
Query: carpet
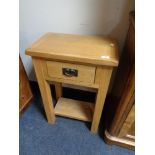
{"points": [[65, 137]]}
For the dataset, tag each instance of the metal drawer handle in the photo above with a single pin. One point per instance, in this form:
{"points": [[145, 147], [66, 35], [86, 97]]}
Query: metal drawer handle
{"points": [[70, 72]]}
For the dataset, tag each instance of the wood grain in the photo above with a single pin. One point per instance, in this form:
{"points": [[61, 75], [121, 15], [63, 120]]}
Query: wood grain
{"points": [[125, 104], [45, 90], [117, 140], [96, 50], [103, 75], [127, 125], [74, 109], [85, 73], [25, 93], [59, 79], [93, 56], [72, 82], [58, 89], [121, 129]]}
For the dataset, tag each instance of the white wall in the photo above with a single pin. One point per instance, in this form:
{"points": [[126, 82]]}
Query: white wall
{"points": [[107, 17]]}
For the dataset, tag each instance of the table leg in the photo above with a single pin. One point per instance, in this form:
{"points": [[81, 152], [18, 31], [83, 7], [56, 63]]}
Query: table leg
{"points": [[45, 90], [58, 89], [103, 75]]}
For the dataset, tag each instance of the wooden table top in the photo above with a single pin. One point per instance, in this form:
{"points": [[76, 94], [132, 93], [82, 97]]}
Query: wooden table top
{"points": [[96, 50]]}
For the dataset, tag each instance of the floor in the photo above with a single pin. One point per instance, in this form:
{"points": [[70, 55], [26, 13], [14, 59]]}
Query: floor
{"points": [[65, 137]]}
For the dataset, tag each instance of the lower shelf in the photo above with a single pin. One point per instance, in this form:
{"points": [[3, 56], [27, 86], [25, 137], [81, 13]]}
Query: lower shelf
{"points": [[74, 109]]}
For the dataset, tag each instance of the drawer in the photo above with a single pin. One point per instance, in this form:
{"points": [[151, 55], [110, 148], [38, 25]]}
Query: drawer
{"points": [[67, 71]]}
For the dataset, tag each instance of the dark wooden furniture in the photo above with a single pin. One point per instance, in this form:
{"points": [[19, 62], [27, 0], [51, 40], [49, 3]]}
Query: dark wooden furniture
{"points": [[25, 93], [121, 129]]}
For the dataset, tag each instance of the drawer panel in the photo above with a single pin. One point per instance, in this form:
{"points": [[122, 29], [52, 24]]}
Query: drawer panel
{"points": [[79, 73]]}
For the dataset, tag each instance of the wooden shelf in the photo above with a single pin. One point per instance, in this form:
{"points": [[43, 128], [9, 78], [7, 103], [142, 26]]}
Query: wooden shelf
{"points": [[74, 109]]}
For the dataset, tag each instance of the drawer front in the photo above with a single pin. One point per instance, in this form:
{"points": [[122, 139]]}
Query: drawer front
{"points": [[68, 71]]}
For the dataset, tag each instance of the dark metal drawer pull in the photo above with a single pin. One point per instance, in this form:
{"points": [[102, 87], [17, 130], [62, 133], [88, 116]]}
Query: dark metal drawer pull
{"points": [[69, 72]]}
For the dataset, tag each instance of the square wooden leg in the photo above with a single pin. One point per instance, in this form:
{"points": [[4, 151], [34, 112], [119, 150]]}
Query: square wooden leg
{"points": [[103, 75], [45, 91], [58, 90]]}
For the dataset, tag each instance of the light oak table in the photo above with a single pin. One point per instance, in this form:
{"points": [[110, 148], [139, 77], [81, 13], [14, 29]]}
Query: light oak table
{"points": [[78, 60]]}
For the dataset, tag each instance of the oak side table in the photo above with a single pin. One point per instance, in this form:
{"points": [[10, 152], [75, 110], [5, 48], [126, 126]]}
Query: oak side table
{"points": [[78, 60]]}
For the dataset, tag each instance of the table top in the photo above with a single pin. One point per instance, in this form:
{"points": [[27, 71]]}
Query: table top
{"points": [[96, 50]]}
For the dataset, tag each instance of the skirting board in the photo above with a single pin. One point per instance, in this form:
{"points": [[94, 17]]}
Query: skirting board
{"points": [[118, 141]]}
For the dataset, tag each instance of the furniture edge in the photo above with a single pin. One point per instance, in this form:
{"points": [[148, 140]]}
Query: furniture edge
{"points": [[31, 97], [112, 140], [26, 105], [40, 55]]}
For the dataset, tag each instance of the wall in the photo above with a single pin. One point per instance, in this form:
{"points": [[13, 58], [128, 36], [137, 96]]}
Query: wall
{"points": [[107, 17]]}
